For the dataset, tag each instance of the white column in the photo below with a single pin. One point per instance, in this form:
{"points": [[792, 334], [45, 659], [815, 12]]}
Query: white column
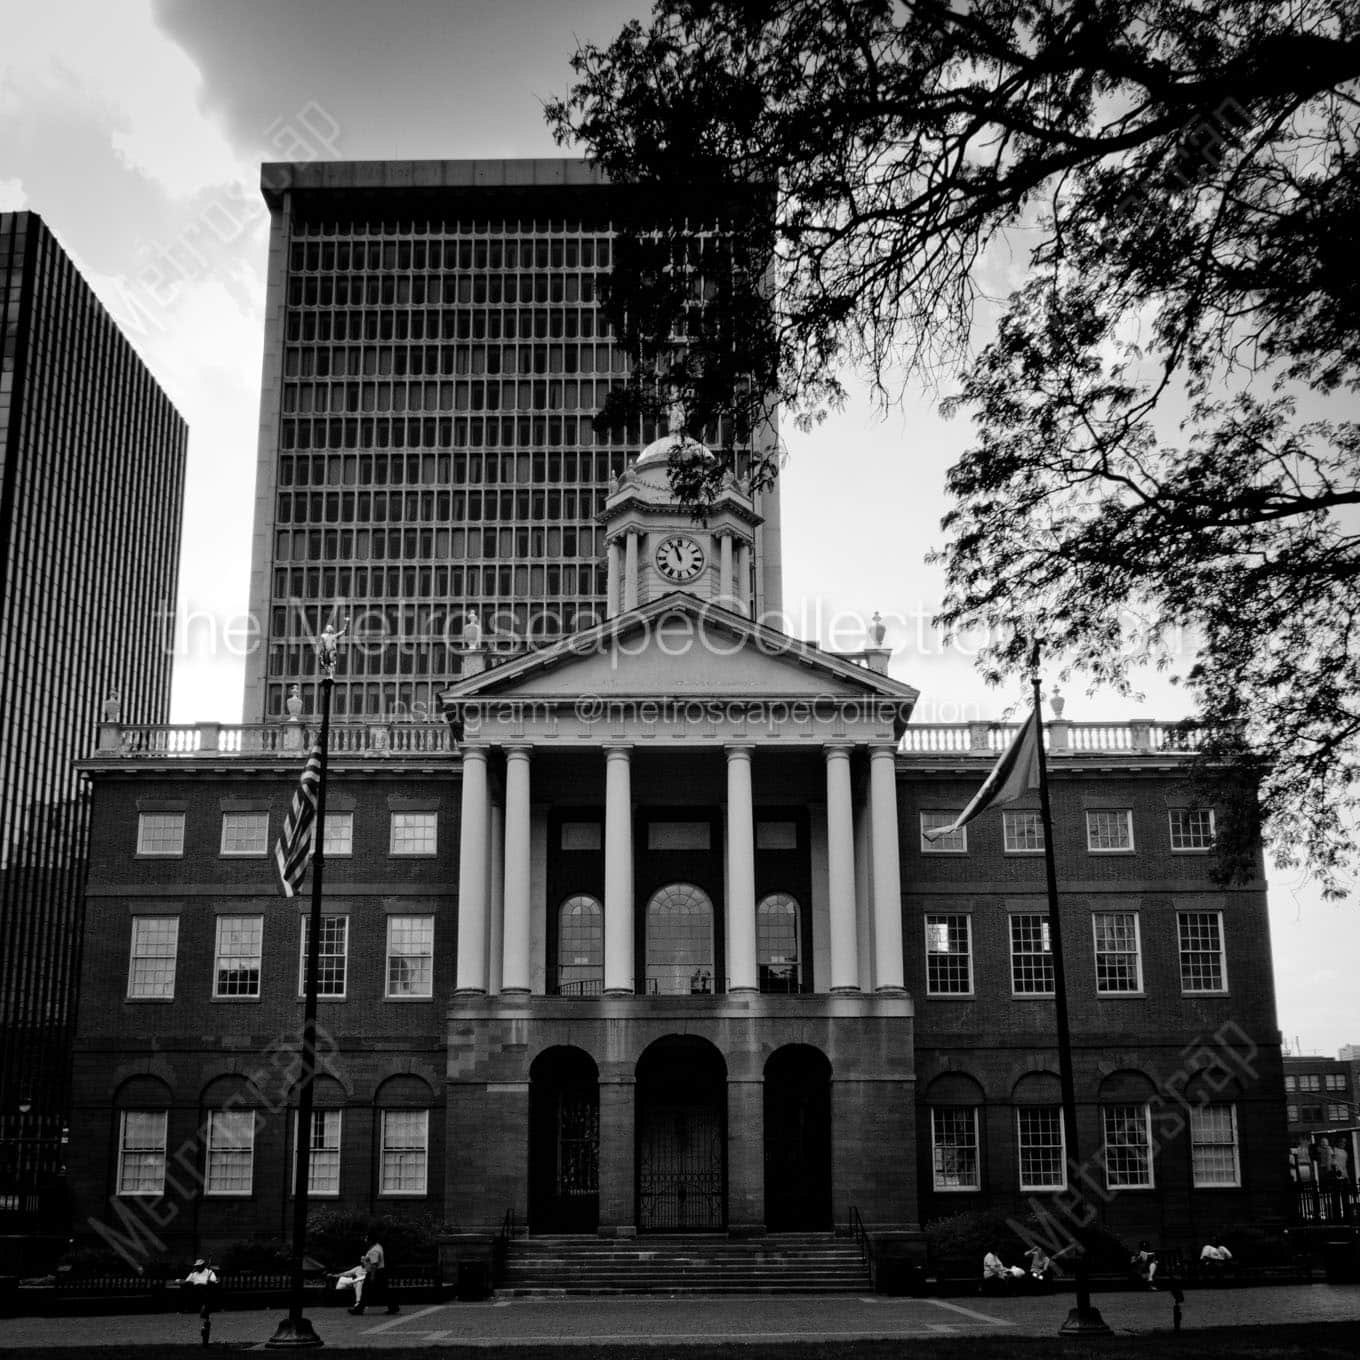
{"points": [[496, 887], [887, 870], [743, 590], [725, 571], [612, 587], [618, 872], [630, 572], [840, 860], [473, 866], [515, 977], [741, 873]]}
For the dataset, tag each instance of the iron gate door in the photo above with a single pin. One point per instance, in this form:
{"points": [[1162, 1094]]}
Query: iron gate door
{"points": [[680, 1170]]}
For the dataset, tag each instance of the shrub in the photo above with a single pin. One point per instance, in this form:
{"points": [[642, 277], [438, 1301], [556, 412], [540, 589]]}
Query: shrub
{"points": [[337, 1238], [262, 1255], [964, 1238]]}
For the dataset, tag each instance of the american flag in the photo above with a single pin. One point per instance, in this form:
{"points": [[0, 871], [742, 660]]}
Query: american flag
{"points": [[294, 847]]}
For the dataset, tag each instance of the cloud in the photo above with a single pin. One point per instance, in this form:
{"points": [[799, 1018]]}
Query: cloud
{"points": [[12, 195]]}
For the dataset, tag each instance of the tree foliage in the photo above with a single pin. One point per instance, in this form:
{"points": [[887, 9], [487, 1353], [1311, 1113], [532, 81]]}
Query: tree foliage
{"points": [[1165, 462]]}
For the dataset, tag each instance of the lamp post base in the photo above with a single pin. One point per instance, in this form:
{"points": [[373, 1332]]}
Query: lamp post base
{"points": [[1085, 1322], [293, 1332]]}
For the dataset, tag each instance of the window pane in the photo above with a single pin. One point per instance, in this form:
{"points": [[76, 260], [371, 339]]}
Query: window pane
{"points": [[160, 833], [1128, 1146], [404, 1144], [777, 943], [331, 965], [1031, 956], [414, 833], [949, 962], [580, 946], [954, 1141], [141, 1152], [323, 1167], [680, 941], [1213, 1141], [1022, 831], [245, 833], [956, 841], [410, 956], [151, 970], [1116, 943], [230, 1152], [1192, 828], [1201, 949], [1109, 830], [237, 964], [339, 834], [1040, 1141]]}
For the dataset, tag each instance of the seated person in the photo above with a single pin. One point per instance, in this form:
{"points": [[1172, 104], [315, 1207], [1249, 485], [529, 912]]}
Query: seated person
{"points": [[1215, 1259], [1144, 1261], [994, 1272], [354, 1279], [1042, 1266]]}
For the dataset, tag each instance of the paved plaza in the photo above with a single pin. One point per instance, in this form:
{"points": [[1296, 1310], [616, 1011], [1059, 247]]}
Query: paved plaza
{"points": [[688, 1319]]}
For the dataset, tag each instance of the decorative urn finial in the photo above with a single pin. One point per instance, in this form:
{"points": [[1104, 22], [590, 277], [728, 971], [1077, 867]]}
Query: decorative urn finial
{"points": [[877, 630], [294, 703], [1056, 702]]}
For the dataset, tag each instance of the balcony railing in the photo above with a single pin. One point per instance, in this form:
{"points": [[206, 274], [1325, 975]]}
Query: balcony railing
{"points": [[1137, 736], [188, 740]]}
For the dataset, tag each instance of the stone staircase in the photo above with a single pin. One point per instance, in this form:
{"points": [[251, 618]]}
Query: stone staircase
{"points": [[780, 1263]]}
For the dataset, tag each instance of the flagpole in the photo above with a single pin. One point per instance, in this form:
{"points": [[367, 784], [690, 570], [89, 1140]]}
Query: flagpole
{"points": [[1083, 1318], [296, 1330]]}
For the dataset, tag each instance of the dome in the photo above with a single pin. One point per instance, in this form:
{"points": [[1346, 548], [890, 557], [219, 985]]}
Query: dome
{"points": [[659, 451]]}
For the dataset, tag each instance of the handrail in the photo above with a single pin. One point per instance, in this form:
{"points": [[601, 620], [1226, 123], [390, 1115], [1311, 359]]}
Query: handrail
{"points": [[500, 1248], [866, 1246]]}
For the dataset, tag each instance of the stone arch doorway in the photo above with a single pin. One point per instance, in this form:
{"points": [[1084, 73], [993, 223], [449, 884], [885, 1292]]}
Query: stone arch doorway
{"points": [[564, 1142], [798, 1140], [681, 1137]]}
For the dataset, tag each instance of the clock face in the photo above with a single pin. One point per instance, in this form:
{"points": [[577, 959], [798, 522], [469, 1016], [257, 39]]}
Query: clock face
{"points": [[679, 558]]}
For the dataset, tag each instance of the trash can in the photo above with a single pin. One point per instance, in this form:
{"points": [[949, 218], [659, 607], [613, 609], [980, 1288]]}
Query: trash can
{"points": [[1340, 1263], [473, 1281]]}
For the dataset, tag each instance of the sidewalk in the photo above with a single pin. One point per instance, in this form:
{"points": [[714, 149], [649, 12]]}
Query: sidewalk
{"points": [[680, 1321]]}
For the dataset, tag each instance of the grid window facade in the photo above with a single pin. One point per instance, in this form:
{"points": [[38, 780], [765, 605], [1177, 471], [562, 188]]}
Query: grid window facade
{"points": [[1031, 955], [954, 1148], [236, 963], [323, 1166], [1109, 830], [1022, 832], [141, 1152], [404, 1155], [1201, 951], [414, 833], [1128, 1146], [410, 956], [229, 1153], [332, 964], [339, 838], [1213, 1146], [949, 955], [1191, 828], [1041, 1148], [160, 833], [245, 833], [151, 966], [956, 842], [1119, 967]]}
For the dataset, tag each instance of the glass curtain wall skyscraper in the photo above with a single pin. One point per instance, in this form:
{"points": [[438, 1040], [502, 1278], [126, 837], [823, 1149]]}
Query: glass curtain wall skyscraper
{"points": [[435, 351]]}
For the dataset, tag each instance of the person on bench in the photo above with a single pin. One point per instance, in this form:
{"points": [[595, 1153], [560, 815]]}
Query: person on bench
{"points": [[1215, 1258], [1144, 1261], [997, 1275]]}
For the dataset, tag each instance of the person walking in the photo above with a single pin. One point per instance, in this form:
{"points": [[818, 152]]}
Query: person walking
{"points": [[202, 1279], [376, 1287]]}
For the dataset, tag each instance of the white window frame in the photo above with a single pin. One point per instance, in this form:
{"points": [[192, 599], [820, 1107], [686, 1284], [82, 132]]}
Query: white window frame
{"points": [[395, 924], [325, 1155], [1130, 1114], [1009, 831], [154, 835], [150, 952], [1334, 1081], [220, 957], [948, 920], [413, 834], [338, 842], [954, 844], [1291, 1083], [1055, 1111], [343, 955], [390, 1156], [1179, 832], [150, 1153], [1137, 953], [245, 835], [1182, 952], [221, 1161], [1198, 1113], [1337, 1114], [940, 1178], [1127, 814], [1045, 951]]}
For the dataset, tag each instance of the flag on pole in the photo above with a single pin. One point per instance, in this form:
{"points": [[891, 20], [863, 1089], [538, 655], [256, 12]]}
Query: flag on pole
{"points": [[294, 847], [1011, 777]]}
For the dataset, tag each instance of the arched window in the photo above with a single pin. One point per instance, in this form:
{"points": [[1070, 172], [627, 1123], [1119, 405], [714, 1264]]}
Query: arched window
{"points": [[777, 943], [680, 941], [580, 946]]}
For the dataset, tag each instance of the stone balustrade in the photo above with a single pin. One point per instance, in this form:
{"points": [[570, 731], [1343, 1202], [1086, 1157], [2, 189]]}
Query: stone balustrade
{"points": [[1136, 736], [186, 741]]}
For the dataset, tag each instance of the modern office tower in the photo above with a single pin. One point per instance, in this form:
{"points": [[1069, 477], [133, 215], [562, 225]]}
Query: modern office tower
{"points": [[90, 491], [434, 355]]}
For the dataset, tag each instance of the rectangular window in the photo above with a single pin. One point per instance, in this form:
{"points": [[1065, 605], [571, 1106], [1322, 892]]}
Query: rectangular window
{"points": [[245, 833], [331, 964], [405, 1147], [415, 833], [151, 968], [581, 836], [323, 1167], [678, 835], [1031, 955], [1192, 828], [955, 843], [160, 833], [1311, 1114], [1334, 1081], [776, 835], [229, 1165], [1291, 1084], [1109, 830], [1336, 1113], [1128, 1146], [141, 1152], [1118, 965], [1213, 1145], [949, 956], [1201, 945], [1291, 1114], [1310, 1082], [1039, 1139], [954, 1148], [339, 834], [1022, 832], [236, 964], [410, 956]]}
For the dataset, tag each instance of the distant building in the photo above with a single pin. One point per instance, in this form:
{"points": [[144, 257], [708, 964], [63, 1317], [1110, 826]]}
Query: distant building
{"points": [[90, 491], [1324, 1134]]}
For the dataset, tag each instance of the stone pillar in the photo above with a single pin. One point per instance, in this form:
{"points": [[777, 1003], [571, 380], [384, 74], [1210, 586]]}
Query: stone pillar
{"points": [[840, 859], [618, 1204], [887, 870], [741, 874], [630, 572], [618, 872], [725, 594], [517, 862], [743, 590], [496, 911], [612, 588], [746, 1153], [473, 865]]}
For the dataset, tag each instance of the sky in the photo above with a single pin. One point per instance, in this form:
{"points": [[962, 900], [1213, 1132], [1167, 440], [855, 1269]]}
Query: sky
{"points": [[136, 128]]}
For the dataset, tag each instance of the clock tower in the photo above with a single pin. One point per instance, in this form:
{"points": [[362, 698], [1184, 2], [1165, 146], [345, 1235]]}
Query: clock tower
{"points": [[655, 545]]}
